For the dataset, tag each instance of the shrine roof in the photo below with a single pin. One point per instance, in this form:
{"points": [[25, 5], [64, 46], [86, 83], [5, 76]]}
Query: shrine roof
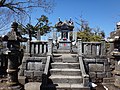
{"points": [[66, 25]]}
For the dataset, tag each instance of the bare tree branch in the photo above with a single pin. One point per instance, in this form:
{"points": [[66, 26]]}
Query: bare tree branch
{"points": [[19, 9]]}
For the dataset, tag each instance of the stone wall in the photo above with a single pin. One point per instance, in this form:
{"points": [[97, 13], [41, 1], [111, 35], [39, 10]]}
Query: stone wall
{"points": [[97, 68], [32, 68]]}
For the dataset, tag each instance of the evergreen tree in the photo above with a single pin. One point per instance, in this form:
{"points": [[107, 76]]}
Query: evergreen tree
{"points": [[42, 25], [89, 34]]}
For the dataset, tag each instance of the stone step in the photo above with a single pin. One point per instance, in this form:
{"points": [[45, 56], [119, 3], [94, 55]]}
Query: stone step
{"points": [[63, 50], [70, 58], [70, 61], [66, 86], [61, 65], [69, 72], [57, 59], [66, 79], [66, 60]]}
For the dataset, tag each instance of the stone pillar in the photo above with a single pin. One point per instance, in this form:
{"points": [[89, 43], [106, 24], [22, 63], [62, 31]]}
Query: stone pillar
{"points": [[36, 48], [86, 80], [50, 46], [13, 67], [111, 46], [38, 35], [12, 71], [103, 47], [68, 36], [45, 48], [80, 47], [75, 36], [28, 46], [32, 48], [54, 35], [60, 35]]}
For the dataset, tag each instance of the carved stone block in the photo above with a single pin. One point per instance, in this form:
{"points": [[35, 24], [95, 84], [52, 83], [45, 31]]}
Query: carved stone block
{"points": [[96, 67], [117, 81], [28, 73], [117, 66], [92, 75], [101, 75], [38, 66], [30, 66], [38, 73]]}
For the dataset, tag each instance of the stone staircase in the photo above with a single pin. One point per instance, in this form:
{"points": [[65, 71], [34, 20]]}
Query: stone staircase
{"points": [[65, 73]]}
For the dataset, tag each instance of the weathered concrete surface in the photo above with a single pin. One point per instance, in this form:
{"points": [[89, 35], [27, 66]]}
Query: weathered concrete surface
{"points": [[65, 65], [32, 86]]}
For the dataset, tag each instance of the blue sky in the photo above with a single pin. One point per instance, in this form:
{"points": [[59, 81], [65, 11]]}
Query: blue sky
{"points": [[99, 13]]}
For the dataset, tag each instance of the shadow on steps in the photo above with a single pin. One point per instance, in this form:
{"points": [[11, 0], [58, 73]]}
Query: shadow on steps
{"points": [[50, 86]]}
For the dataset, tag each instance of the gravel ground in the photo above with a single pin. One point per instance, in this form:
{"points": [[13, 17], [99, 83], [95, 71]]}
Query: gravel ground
{"points": [[99, 87]]}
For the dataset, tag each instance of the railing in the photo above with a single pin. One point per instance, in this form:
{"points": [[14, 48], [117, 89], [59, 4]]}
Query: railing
{"points": [[82, 67], [45, 73], [37, 47], [91, 48], [84, 74], [47, 65]]}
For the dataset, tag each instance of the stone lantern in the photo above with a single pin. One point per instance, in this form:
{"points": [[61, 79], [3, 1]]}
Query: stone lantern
{"points": [[115, 52], [13, 39]]}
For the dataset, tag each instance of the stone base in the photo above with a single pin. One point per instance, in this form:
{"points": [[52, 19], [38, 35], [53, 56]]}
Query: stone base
{"points": [[15, 88], [32, 86], [4, 86], [108, 80], [22, 80], [65, 86]]}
